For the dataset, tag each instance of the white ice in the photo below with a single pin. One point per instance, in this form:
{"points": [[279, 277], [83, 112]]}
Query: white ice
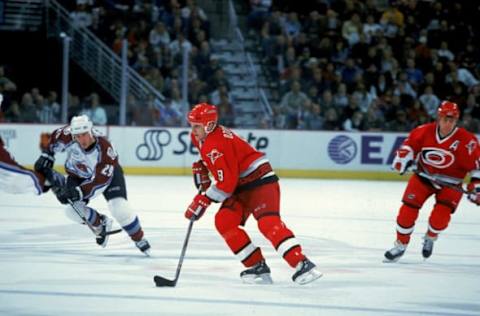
{"points": [[51, 266]]}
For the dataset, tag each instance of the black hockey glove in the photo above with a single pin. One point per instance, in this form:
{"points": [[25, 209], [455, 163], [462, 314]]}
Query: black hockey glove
{"points": [[54, 180], [44, 163], [66, 194]]}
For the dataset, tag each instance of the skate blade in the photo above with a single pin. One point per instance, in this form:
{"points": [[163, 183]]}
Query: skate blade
{"points": [[147, 253], [385, 260], [259, 279], [308, 277]]}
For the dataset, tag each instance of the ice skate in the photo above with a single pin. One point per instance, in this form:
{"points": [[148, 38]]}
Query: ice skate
{"points": [[427, 246], [144, 246], [396, 252], [258, 274], [306, 272], [104, 227]]}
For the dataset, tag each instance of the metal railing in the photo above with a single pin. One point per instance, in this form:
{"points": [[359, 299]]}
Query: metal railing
{"points": [[237, 37], [96, 58]]}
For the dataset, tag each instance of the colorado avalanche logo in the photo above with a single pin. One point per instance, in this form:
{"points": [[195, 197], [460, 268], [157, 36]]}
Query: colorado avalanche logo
{"points": [[438, 158], [214, 155], [81, 167]]}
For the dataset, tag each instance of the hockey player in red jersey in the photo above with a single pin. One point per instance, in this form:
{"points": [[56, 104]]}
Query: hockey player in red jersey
{"points": [[246, 185], [443, 154], [92, 167]]}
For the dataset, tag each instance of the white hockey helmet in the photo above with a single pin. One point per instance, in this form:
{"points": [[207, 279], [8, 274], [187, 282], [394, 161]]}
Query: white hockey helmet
{"points": [[80, 124]]}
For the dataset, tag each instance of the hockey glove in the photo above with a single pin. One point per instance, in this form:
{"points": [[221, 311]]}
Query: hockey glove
{"points": [[54, 180], [198, 206], [44, 163], [403, 159], [474, 191], [200, 176], [66, 194]]}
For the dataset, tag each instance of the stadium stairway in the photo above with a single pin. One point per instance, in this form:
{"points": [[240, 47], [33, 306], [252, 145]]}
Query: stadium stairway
{"points": [[244, 87]]}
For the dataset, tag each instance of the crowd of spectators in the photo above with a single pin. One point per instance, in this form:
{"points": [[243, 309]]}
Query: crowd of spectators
{"points": [[157, 32], [354, 65], [369, 65]]}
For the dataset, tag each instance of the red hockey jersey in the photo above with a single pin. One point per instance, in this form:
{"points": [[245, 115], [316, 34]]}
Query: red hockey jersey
{"points": [[452, 156], [233, 163]]}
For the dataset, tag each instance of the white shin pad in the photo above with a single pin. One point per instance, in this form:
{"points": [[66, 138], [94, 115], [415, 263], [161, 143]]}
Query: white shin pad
{"points": [[72, 214], [121, 211]]}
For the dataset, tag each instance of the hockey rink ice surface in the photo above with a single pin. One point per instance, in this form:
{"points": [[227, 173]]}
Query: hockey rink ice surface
{"points": [[52, 266]]}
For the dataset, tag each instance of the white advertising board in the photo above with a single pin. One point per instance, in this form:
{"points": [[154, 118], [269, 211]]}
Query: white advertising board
{"points": [[155, 148]]}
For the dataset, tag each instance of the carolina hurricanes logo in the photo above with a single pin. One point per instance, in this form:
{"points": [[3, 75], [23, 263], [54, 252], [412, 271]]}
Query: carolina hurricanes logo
{"points": [[214, 155], [437, 157]]}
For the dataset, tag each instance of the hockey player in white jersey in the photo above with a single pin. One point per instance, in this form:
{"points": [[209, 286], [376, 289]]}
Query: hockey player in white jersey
{"points": [[92, 167]]}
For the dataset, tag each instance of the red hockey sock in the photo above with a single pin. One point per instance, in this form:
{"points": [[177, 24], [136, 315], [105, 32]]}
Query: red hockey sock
{"points": [[282, 239], [406, 218], [227, 224], [439, 219]]}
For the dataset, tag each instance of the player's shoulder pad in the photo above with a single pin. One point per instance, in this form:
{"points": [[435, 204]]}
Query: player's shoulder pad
{"points": [[107, 147]]}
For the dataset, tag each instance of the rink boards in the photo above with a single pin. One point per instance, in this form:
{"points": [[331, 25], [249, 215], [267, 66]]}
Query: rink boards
{"points": [[168, 151]]}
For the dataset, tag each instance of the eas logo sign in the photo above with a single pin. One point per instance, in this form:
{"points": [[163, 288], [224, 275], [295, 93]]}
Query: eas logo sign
{"points": [[342, 149], [371, 149]]}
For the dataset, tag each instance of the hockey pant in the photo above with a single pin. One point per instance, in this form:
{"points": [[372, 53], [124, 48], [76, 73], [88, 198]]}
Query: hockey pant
{"points": [[416, 193], [116, 196], [264, 203]]}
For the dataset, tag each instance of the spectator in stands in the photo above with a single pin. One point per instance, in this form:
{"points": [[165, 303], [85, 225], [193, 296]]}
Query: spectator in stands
{"points": [[225, 111], [8, 86], [259, 12], [168, 116], [340, 99], [291, 102], [429, 101], [159, 36], [13, 114], [49, 110], [95, 110], [179, 106], [331, 122], [81, 17], [351, 29], [28, 110], [400, 123], [469, 123]]}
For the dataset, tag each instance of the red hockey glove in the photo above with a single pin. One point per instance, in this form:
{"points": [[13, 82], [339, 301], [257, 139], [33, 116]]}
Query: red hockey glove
{"points": [[198, 206], [474, 191], [200, 176], [403, 159]]}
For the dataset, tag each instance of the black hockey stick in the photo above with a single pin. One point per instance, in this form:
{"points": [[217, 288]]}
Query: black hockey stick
{"points": [[161, 281], [82, 217]]}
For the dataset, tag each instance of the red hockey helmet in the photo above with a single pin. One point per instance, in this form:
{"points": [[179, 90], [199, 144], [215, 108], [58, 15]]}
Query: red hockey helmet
{"points": [[205, 114], [448, 108]]}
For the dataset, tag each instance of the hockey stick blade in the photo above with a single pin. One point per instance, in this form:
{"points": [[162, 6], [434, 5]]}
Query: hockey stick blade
{"points": [[162, 282]]}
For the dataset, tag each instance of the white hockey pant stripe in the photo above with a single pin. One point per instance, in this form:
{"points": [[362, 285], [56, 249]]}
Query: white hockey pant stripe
{"points": [[405, 231], [246, 252], [287, 245]]}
